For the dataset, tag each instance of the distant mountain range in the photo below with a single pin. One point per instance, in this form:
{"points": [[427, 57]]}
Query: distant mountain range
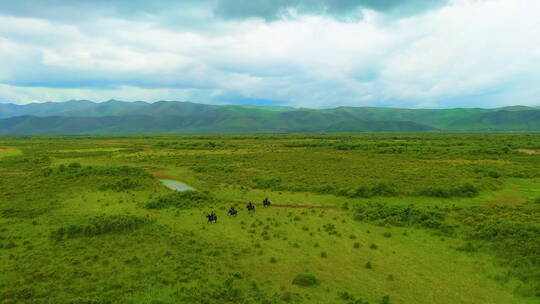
{"points": [[118, 117]]}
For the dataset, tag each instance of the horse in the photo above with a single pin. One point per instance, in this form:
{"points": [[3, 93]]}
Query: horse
{"points": [[233, 211], [266, 202], [250, 206], [212, 217]]}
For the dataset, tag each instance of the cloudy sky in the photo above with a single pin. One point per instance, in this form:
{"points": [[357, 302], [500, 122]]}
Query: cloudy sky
{"points": [[310, 53]]}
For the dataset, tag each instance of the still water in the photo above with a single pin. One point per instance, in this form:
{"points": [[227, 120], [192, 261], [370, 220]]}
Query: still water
{"points": [[176, 185]]}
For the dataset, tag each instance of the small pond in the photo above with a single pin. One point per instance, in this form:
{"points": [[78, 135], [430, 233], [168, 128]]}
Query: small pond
{"points": [[176, 185]]}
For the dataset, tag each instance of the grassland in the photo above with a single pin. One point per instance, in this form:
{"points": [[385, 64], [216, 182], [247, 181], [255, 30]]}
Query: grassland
{"points": [[378, 218]]}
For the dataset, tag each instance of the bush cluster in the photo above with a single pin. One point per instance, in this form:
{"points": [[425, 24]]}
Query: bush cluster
{"points": [[183, 200], [380, 189], [510, 232], [101, 224], [403, 216], [305, 279], [212, 168], [267, 183], [465, 190], [122, 185]]}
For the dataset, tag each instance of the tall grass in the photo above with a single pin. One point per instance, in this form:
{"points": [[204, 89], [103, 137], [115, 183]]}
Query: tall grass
{"points": [[99, 225]]}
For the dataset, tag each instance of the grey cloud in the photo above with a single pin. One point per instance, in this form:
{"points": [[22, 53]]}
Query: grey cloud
{"points": [[276, 9], [82, 10], [163, 11]]}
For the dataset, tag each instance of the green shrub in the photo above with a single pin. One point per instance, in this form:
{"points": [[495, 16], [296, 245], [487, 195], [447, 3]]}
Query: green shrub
{"points": [[359, 301], [232, 290], [403, 216], [435, 192], [212, 168], [101, 224], [76, 170], [90, 301], [384, 189], [330, 229], [468, 247], [362, 191], [380, 189], [464, 190], [345, 147], [305, 280], [122, 185], [494, 174], [74, 166], [267, 183], [184, 200], [344, 295]]}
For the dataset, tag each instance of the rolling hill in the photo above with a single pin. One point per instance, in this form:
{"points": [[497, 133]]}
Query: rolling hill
{"points": [[43, 109], [118, 117]]}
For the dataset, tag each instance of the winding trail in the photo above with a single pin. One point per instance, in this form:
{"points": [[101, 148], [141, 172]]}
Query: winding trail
{"points": [[292, 206], [529, 151]]}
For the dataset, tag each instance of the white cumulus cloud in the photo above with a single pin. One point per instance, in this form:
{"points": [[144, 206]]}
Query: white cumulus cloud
{"points": [[465, 53]]}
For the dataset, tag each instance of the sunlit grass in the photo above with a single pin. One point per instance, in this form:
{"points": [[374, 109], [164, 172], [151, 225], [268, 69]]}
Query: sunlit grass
{"points": [[172, 255]]}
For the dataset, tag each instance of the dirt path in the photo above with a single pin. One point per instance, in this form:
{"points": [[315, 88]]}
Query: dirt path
{"points": [[291, 206], [306, 207], [529, 151], [16, 171]]}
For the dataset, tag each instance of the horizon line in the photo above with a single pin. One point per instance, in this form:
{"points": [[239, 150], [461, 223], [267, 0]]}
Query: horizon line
{"points": [[263, 106]]}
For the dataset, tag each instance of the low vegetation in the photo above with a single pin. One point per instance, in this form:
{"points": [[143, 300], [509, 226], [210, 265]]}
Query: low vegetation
{"points": [[182, 200], [100, 225], [354, 219]]}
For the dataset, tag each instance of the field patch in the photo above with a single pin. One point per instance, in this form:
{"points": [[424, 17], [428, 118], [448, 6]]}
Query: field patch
{"points": [[9, 151], [529, 151]]}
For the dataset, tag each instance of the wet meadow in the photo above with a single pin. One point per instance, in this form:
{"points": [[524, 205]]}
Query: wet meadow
{"points": [[355, 219]]}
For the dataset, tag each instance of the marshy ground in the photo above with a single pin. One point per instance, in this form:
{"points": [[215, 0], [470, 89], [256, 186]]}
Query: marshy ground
{"points": [[378, 218]]}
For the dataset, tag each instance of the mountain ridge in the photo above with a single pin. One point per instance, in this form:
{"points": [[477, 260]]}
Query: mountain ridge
{"points": [[115, 117]]}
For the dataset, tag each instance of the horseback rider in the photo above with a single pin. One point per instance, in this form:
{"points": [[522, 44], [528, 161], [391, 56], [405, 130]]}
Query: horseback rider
{"points": [[233, 211], [250, 206], [212, 217], [266, 202]]}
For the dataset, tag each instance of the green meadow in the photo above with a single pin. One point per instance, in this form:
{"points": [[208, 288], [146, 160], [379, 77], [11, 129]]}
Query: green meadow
{"points": [[355, 219]]}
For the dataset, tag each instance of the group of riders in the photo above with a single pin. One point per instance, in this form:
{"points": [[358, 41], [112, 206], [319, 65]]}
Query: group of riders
{"points": [[212, 217]]}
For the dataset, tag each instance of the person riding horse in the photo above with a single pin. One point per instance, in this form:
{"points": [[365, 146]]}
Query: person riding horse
{"points": [[250, 206], [212, 217], [233, 211], [266, 202]]}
